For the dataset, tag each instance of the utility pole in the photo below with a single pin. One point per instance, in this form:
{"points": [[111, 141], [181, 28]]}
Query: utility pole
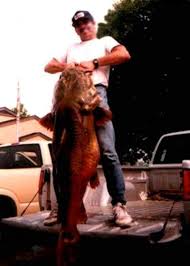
{"points": [[18, 112]]}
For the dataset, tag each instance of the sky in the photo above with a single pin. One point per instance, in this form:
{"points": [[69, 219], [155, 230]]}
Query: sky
{"points": [[32, 32]]}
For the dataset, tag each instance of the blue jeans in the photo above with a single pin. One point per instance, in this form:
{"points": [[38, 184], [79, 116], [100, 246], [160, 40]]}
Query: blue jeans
{"points": [[110, 160]]}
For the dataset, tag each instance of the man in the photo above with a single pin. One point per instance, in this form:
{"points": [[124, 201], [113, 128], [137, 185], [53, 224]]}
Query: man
{"points": [[96, 55]]}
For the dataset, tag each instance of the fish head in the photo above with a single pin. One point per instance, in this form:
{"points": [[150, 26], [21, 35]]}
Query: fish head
{"points": [[75, 88]]}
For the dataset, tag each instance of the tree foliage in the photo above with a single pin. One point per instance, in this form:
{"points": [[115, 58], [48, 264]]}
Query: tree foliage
{"points": [[148, 94], [23, 110]]}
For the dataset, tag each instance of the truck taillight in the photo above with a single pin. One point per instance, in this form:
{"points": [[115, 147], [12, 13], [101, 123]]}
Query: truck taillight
{"points": [[186, 179], [186, 190]]}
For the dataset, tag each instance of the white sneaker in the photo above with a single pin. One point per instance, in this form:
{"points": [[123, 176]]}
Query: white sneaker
{"points": [[52, 218], [121, 217]]}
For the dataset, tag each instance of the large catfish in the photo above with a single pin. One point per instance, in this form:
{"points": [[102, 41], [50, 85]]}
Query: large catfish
{"points": [[75, 150]]}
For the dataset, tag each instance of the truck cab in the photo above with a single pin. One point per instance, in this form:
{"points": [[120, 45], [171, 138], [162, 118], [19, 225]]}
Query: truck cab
{"points": [[166, 164]]}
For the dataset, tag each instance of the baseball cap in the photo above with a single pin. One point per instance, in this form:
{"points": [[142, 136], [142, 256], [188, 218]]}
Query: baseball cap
{"points": [[81, 15]]}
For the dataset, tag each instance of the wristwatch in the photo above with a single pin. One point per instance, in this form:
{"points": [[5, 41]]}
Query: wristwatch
{"points": [[96, 64]]}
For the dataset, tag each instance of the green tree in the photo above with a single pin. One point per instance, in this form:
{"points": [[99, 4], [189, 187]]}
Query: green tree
{"points": [[148, 95], [124, 18], [23, 110]]}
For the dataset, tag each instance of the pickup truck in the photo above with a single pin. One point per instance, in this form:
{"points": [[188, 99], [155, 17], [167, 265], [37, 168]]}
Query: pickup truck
{"points": [[155, 195], [20, 168]]}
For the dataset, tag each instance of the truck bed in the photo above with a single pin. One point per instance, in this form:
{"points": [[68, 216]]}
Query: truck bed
{"points": [[148, 215], [26, 241]]}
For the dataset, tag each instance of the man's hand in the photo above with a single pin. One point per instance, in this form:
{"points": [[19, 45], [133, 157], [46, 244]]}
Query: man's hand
{"points": [[86, 66]]}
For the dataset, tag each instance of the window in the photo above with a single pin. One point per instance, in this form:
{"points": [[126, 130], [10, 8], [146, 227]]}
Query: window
{"points": [[5, 158], [173, 149], [20, 156]]}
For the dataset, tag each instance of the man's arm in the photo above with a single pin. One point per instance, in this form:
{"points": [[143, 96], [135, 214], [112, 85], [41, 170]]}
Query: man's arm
{"points": [[55, 66], [118, 55]]}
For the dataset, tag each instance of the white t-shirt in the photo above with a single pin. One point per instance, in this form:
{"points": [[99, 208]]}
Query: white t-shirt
{"points": [[89, 50]]}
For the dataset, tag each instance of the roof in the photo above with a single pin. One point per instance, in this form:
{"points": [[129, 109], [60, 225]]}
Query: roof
{"points": [[22, 119], [7, 110], [33, 135]]}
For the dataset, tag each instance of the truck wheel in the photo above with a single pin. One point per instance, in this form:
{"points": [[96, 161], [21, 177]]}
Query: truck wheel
{"points": [[7, 207]]}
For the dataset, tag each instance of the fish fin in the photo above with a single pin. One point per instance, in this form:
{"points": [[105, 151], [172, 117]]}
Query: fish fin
{"points": [[94, 181], [102, 116], [47, 121]]}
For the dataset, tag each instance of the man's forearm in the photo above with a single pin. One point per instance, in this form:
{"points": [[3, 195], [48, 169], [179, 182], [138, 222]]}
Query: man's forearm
{"points": [[53, 69], [54, 66], [118, 55]]}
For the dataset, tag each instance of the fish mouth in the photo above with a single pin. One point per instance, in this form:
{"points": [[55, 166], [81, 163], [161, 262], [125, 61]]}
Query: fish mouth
{"points": [[89, 105]]}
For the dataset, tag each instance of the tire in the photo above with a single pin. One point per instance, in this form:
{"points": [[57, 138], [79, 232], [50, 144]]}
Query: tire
{"points": [[7, 207]]}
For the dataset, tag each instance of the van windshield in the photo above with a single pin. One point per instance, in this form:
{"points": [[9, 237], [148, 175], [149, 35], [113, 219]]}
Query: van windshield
{"points": [[173, 150]]}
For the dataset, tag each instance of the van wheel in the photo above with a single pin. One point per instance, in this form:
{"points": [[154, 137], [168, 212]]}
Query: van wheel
{"points": [[7, 207]]}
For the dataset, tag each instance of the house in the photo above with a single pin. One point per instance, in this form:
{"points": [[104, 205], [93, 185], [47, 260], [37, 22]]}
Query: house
{"points": [[29, 128], [6, 114]]}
